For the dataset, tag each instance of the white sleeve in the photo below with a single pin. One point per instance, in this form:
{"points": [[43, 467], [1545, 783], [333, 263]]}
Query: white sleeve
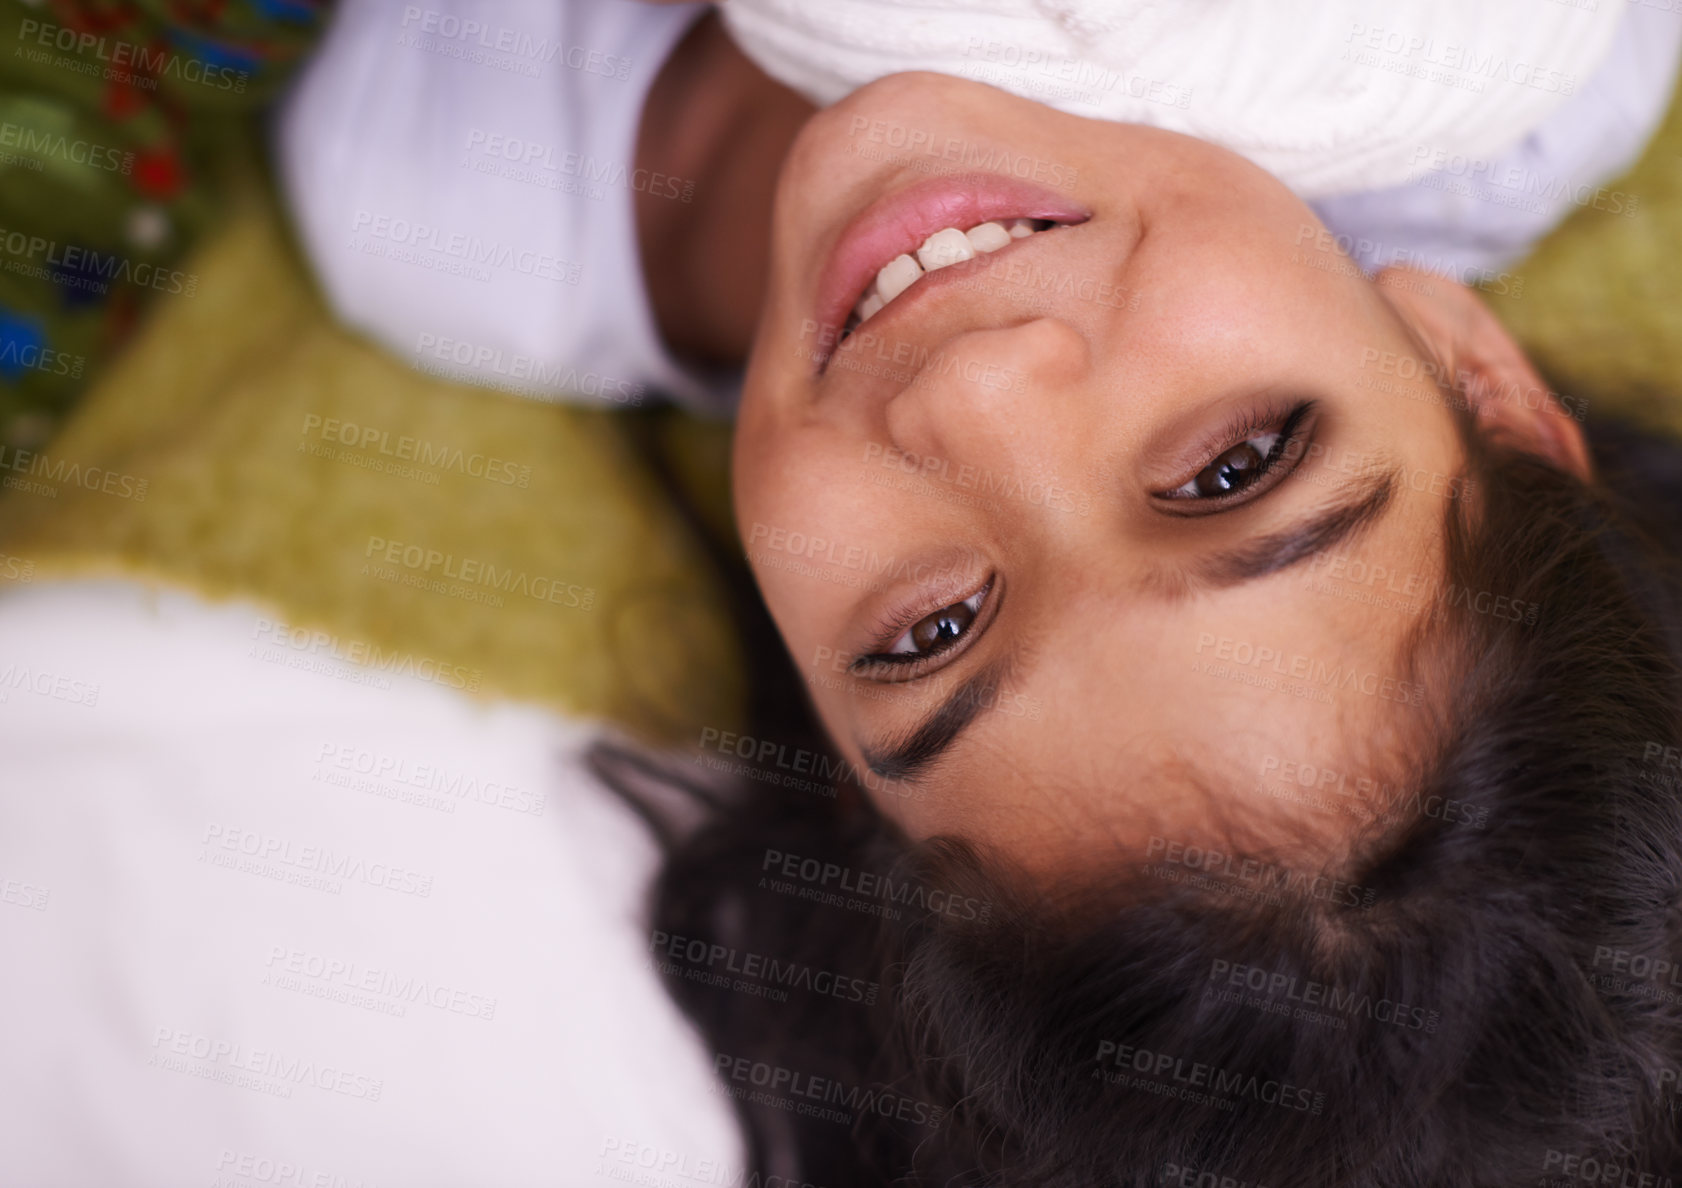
{"points": [[1470, 218], [462, 175], [1330, 96]]}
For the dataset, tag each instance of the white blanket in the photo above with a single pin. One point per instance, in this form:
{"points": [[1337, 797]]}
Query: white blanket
{"points": [[271, 919]]}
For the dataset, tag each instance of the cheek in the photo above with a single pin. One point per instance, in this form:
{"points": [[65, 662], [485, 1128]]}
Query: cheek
{"points": [[799, 534], [763, 459]]}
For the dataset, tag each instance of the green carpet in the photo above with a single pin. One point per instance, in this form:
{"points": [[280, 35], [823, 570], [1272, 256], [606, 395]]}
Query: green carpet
{"points": [[246, 445]]}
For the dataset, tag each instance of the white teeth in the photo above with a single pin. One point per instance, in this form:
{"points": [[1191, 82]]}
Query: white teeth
{"points": [[944, 248], [896, 277], [989, 237]]}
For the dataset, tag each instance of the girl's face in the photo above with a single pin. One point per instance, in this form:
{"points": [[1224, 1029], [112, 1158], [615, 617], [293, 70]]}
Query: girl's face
{"points": [[1144, 501]]}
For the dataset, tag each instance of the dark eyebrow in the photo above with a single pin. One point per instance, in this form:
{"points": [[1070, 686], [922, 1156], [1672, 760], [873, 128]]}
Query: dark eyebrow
{"points": [[935, 734], [930, 739], [1315, 534]]}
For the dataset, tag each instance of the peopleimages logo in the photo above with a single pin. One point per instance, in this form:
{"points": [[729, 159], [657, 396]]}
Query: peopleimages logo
{"points": [[1193, 1080], [1448, 62], [1307, 669], [476, 572], [451, 782], [303, 647], [809, 1094], [852, 557], [466, 362], [519, 159], [355, 977], [126, 56], [932, 468], [416, 449], [1320, 779], [228, 1057], [1078, 79], [92, 269], [798, 761], [831, 876], [25, 895], [771, 971], [1519, 179], [55, 686], [1277, 991], [1268, 876], [63, 470], [503, 40], [223, 840], [1588, 1170], [958, 152], [1177, 1175], [1638, 965], [630, 1161], [467, 248], [40, 142]]}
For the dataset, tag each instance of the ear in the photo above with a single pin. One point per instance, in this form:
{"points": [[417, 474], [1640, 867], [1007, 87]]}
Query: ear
{"points": [[1490, 370]]}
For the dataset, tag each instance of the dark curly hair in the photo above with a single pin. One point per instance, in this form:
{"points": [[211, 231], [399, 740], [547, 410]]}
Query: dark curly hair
{"points": [[1501, 1005]]}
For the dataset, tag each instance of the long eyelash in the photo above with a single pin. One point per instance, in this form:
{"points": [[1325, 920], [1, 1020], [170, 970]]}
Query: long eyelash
{"points": [[890, 630], [1245, 424], [1249, 424], [896, 659], [884, 638]]}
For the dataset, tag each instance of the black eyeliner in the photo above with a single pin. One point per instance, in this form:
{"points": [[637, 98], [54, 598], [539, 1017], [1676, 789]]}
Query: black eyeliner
{"points": [[1289, 436], [876, 660]]}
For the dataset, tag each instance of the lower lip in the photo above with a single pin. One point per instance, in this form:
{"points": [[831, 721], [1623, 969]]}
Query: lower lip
{"points": [[899, 222]]}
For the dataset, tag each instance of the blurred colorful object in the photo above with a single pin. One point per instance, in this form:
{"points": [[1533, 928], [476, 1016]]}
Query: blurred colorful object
{"points": [[247, 446], [115, 116]]}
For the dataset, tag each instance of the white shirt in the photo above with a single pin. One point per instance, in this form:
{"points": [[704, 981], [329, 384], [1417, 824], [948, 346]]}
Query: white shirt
{"points": [[462, 174], [1471, 217]]}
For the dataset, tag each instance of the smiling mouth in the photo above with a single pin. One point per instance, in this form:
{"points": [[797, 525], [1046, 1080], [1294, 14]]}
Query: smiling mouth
{"points": [[911, 231], [946, 247]]}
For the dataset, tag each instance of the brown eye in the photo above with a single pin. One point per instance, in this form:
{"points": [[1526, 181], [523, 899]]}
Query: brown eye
{"points": [[932, 634], [938, 630], [1236, 469], [1259, 452]]}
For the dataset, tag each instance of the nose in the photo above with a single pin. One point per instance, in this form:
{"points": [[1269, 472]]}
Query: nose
{"points": [[1003, 401]]}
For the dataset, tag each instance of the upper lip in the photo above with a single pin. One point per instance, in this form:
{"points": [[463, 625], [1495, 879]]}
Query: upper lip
{"points": [[902, 219]]}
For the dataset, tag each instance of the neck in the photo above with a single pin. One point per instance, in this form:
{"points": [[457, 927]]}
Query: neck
{"points": [[716, 120]]}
